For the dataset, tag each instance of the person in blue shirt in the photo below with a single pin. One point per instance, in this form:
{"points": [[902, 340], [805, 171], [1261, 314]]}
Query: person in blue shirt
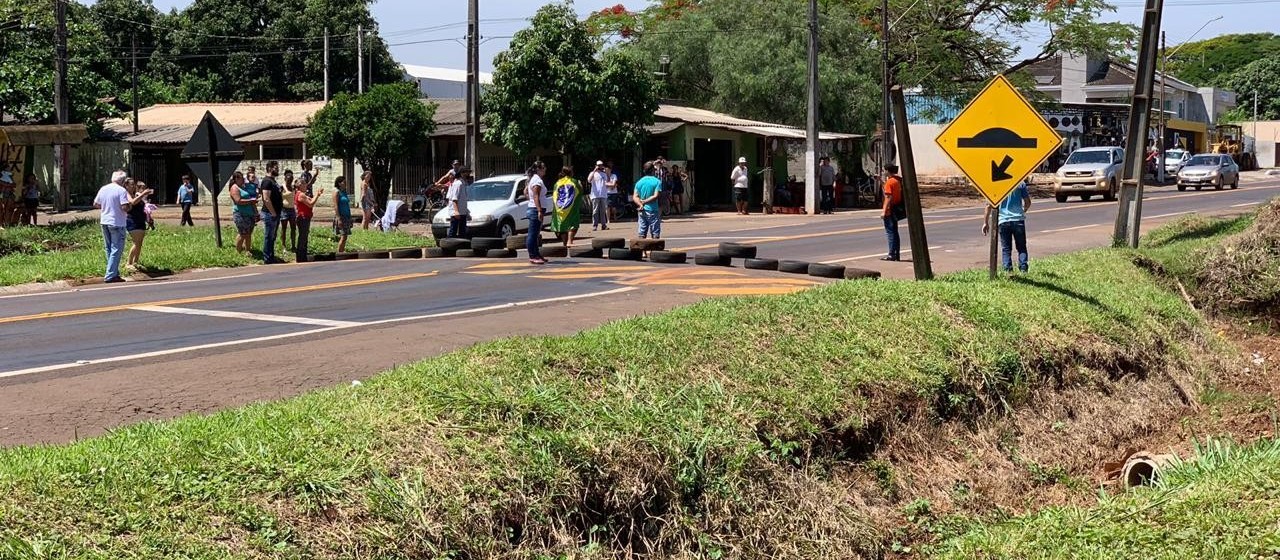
{"points": [[1012, 226], [648, 191], [185, 193]]}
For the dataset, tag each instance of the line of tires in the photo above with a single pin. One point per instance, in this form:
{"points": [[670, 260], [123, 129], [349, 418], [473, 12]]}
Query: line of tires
{"points": [[750, 260]]}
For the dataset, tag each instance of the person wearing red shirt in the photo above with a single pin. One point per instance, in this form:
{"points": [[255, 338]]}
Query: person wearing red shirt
{"points": [[893, 211], [305, 205]]}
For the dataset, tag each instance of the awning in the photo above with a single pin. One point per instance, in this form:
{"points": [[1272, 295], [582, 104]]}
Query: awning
{"points": [[784, 132], [663, 127], [275, 135], [43, 134]]}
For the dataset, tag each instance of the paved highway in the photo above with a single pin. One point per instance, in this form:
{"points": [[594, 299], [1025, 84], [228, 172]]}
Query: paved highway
{"points": [[77, 362]]}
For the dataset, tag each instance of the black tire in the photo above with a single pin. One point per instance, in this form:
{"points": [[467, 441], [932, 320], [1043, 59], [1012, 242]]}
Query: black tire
{"points": [[616, 254], [648, 244], [506, 229], [1181, 187], [760, 264], [322, 257], [1236, 183], [1086, 197], [1198, 187], [516, 242], [586, 253], [793, 267], [364, 255], [1217, 185], [468, 253], [406, 253], [738, 250], [712, 259], [668, 257], [555, 251], [851, 273], [454, 243], [500, 254], [1111, 192], [482, 244], [608, 243], [433, 253], [826, 270], [1060, 197], [345, 257]]}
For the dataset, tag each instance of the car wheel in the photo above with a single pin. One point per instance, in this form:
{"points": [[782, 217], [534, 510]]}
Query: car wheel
{"points": [[1061, 197], [1236, 183], [1218, 185], [506, 229], [1198, 187], [1086, 197], [1181, 187], [1111, 191]]}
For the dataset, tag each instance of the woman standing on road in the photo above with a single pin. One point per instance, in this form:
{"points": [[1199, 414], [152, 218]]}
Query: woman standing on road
{"points": [[367, 199], [567, 199], [678, 177], [535, 190], [288, 214], [136, 224], [245, 197], [305, 206], [30, 200], [342, 209]]}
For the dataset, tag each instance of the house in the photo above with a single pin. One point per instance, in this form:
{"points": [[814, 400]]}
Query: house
{"points": [[442, 83]]}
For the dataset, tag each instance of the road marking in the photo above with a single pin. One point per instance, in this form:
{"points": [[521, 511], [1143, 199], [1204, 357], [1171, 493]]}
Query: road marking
{"points": [[731, 282], [864, 257], [127, 285], [249, 316], [220, 297], [172, 351], [760, 291], [1169, 215], [1069, 228], [717, 238], [1245, 204]]}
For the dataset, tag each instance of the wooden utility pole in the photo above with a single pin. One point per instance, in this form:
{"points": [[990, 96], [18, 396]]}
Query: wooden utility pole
{"points": [[911, 189], [473, 86], [61, 105], [1164, 73], [811, 130], [1129, 216]]}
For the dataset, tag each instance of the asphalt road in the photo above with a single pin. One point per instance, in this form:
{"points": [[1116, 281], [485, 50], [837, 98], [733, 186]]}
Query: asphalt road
{"points": [[81, 361]]}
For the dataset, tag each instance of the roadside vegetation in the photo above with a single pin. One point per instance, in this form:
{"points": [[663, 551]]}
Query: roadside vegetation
{"points": [[73, 250]]}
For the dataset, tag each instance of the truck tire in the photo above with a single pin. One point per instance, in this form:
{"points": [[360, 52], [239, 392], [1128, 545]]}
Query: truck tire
{"points": [[760, 264], [1060, 197], [586, 253], [608, 243], [406, 253], [648, 244], [433, 253], [555, 251], [322, 257], [668, 257], [516, 242], [467, 253], [712, 259], [793, 267], [500, 254], [488, 243], [454, 243], [826, 270], [365, 255], [738, 250], [623, 254], [345, 257]]}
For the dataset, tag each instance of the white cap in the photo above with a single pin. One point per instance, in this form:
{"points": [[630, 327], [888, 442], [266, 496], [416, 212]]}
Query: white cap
{"points": [[742, 160], [598, 162]]}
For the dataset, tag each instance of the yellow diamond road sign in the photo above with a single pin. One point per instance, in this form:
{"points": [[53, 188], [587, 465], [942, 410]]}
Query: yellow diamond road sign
{"points": [[998, 140]]}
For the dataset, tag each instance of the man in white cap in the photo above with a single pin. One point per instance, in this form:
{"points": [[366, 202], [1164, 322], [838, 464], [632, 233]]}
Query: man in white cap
{"points": [[599, 180], [114, 202], [741, 185]]}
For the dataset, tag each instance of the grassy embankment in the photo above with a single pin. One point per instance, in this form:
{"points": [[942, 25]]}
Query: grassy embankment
{"points": [[731, 428], [73, 250]]}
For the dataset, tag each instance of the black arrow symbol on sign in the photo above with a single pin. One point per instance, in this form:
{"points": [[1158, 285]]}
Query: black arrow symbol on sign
{"points": [[1000, 172]]}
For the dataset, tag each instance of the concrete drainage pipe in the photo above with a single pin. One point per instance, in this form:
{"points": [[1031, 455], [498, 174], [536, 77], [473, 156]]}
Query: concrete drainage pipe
{"points": [[1144, 469]]}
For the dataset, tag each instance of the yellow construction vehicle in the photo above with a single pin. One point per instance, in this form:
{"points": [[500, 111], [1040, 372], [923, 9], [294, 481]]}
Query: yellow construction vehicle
{"points": [[1229, 139]]}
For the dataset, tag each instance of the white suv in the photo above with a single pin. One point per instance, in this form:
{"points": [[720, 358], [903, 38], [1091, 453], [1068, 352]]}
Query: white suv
{"points": [[1090, 171], [497, 206]]}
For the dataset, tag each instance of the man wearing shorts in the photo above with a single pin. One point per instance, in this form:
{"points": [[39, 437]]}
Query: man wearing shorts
{"points": [[646, 196], [741, 179]]}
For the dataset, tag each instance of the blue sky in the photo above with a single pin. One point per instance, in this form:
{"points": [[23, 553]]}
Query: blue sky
{"points": [[501, 18]]}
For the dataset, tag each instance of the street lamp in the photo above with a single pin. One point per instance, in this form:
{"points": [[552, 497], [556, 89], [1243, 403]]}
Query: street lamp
{"points": [[1164, 116], [664, 65]]}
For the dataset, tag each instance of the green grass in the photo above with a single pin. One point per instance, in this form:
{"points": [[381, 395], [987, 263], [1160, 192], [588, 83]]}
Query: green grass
{"points": [[73, 250], [1223, 503], [706, 432]]}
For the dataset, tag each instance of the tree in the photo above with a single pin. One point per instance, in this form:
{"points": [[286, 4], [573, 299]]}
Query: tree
{"points": [[375, 128], [1263, 78], [1212, 62], [27, 72], [551, 89]]}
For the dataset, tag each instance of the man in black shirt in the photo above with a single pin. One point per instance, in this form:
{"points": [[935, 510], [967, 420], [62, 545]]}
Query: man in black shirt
{"points": [[272, 203]]}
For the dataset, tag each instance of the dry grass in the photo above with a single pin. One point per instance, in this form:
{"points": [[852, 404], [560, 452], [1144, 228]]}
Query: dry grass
{"points": [[1243, 273]]}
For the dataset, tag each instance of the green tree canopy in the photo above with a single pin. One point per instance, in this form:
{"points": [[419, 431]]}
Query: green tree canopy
{"points": [[552, 89], [1212, 62], [375, 128], [27, 62], [1262, 77]]}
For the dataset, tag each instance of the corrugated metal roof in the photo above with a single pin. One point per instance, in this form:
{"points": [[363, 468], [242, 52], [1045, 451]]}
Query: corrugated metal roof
{"points": [[263, 115], [703, 117], [663, 127], [180, 135], [43, 134], [275, 135]]}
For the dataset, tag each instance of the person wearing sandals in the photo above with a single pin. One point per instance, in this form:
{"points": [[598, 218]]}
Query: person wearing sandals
{"points": [[136, 222], [245, 198], [305, 205], [342, 212]]}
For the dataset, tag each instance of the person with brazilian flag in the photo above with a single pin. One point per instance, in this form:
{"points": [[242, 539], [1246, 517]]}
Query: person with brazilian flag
{"points": [[567, 198]]}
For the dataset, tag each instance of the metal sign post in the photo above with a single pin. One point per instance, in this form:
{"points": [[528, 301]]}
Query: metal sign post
{"points": [[213, 154]]}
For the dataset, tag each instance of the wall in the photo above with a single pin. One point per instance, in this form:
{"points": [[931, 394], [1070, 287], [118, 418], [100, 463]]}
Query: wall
{"points": [[90, 165], [931, 161], [1265, 134]]}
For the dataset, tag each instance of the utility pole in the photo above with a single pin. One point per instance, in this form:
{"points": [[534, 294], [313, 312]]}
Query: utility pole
{"points": [[133, 39], [359, 59], [473, 85], [911, 190], [326, 64], [1164, 73], [1129, 216], [811, 131], [886, 153], [61, 105], [369, 66]]}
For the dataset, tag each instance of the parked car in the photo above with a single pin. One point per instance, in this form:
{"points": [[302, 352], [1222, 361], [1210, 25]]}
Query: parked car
{"points": [[497, 206], [1090, 171], [1209, 169], [1174, 160]]}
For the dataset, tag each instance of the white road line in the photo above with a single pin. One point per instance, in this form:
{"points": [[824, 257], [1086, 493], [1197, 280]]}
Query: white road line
{"points": [[1169, 215], [720, 238], [172, 351], [864, 257], [1245, 204], [249, 316], [127, 285], [1070, 228]]}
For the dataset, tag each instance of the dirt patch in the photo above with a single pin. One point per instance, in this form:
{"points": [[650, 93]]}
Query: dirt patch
{"points": [[1242, 275]]}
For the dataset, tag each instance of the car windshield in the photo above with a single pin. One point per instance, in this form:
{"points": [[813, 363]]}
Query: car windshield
{"points": [[1174, 154], [490, 190], [1098, 156], [1203, 160]]}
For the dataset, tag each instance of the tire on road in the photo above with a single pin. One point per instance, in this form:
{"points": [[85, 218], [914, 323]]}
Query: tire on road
{"points": [[488, 243], [738, 250], [826, 270], [1060, 197], [364, 255], [555, 251], [322, 257], [668, 257], [454, 243], [500, 253], [793, 267], [608, 243], [623, 254], [434, 253], [468, 253], [648, 244], [760, 264], [406, 253], [712, 259], [851, 273], [585, 253], [516, 242], [345, 257]]}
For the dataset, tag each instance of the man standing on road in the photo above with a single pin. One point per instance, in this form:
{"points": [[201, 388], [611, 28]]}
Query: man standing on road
{"points": [[185, 198], [457, 198], [535, 190], [446, 181], [892, 212], [272, 204], [599, 180], [1012, 225], [827, 185], [114, 202], [647, 193], [612, 195], [741, 185]]}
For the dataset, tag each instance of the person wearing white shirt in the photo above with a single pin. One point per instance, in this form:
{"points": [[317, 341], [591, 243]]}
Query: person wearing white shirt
{"points": [[599, 179], [741, 179], [457, 198], [114, 202], [535, 190]]}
